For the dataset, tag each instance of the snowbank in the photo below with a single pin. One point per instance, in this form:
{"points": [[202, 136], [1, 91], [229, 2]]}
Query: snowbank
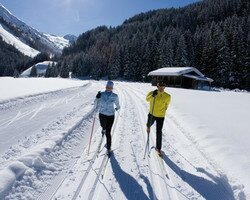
{"points": [[33, 159], [9, 175], [19, 87]]}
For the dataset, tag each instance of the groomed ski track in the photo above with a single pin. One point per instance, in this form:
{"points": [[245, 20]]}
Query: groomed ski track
{"points": [[185, 172]]}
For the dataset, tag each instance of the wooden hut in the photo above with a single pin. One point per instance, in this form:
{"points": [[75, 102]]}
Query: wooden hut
{"points": [[183, 77]]}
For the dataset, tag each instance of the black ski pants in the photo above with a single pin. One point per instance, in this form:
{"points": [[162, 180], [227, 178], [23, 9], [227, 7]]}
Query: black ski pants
{"points": [[159, 125], [106, 124]]}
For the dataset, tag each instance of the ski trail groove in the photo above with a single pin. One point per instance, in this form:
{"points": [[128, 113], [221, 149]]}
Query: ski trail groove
{"points": [[100, 172], [61, 177], [140, 111], [176, 125], [104, 162], [167, 180]]}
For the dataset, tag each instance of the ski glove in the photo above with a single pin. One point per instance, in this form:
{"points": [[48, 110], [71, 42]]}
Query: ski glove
{"points": [[155, 92], [98, 96]]}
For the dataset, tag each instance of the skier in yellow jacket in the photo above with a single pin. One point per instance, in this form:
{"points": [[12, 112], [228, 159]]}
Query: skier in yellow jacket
{"points": [[159, 101]]}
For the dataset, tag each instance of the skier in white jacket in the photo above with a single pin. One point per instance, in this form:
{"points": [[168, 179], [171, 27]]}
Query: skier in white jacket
{"points": [[108, 103]]}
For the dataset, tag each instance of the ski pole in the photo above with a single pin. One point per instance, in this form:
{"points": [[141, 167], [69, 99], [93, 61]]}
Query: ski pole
{"points": [[147, 146], [91, 132]]}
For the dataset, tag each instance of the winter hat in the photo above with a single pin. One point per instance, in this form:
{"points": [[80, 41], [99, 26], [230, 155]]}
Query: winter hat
{"points": [[110, 84], [161, 83]]}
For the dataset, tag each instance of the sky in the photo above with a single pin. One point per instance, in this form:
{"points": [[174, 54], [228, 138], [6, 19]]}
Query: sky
{"points": [[61, 17]]}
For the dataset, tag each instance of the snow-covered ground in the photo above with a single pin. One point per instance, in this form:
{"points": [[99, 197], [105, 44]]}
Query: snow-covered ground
{"points": [[46, 133], [19, 87]]}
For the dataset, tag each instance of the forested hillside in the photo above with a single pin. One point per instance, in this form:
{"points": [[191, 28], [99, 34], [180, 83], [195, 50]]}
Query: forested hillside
{"points": [[13, 62], [212, 35], [10, 59]]}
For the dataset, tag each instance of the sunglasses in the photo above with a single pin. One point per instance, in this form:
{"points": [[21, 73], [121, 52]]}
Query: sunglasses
{"points": [[161, 85]]}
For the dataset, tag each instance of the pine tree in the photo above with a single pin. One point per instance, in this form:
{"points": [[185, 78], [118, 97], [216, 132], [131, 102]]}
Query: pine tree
{"points": [[33, 72], [9, 70], [210, 35], [48, 72], [198, 49], [166, 53], [181, 59], [146, 63], [114, 63], [224, 61]]}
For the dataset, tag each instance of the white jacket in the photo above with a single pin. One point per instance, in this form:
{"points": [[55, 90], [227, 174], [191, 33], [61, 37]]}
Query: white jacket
{"points": [[106, 103]]}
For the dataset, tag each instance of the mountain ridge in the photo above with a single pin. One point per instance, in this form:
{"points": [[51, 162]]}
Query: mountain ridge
{"points": [[29, 35]]}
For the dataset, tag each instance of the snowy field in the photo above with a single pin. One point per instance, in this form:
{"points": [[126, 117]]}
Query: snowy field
{"points": [[45, 127], [19, 87]]}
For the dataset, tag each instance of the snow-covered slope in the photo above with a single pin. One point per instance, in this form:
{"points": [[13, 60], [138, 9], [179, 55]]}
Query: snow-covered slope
{"points": [[15, 41], [29, 35], [45, 141], [60, 42], [40, 67]]}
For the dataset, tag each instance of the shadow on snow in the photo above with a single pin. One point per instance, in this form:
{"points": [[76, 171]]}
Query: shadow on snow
{"points": [[129, 186], [218, 189]]}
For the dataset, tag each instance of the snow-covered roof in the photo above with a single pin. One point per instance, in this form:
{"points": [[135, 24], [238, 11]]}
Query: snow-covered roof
{"points": [[200, 78], [174, 71]]}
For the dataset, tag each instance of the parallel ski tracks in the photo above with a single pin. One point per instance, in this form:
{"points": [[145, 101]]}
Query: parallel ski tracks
{"points": [[51, 190], [99, 171], [166, 194], [61, 178], [182, 130]]}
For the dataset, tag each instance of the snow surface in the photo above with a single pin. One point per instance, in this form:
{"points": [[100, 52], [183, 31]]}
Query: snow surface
{"points": [[205, 140], [19, 87], [17, 43], [174, 71], [41, 68], [59, 41]]}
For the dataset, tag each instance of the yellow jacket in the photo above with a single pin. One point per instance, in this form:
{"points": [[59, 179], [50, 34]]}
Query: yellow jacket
{"points": [[162, 100]]}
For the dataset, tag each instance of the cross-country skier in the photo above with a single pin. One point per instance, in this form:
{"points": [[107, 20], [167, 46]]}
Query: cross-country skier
{"points": [[159, 102], [108, 103]]}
